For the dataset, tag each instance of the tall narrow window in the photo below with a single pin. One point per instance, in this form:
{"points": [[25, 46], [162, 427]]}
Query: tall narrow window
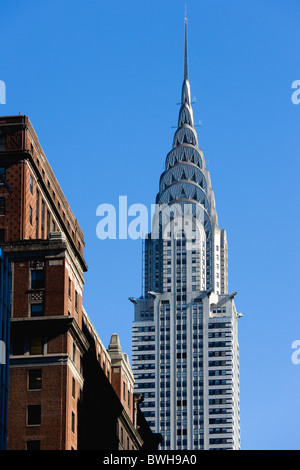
{"points": [[76, 300], [2, 205], [73, 421], [70, 288], [37, 279], [48, 222], [33, 415], [35, 379], [31, 185], [30, 215], [73, 387], [37, 214], [2, 174], [2, 143], [43, 219]]}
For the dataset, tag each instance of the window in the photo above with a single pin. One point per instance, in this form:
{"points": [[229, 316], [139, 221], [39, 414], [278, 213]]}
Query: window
{"points": [[36, 310], [33, 415], [42, 219], [70, 288], [36, 345], [18, 346], [2, 143], [48, 222], [30, 215], [2, 205], [74, 352], [2, 174], [35, 379], [73, 422], [37, 279], [33, 445], [76, 300], [31, 185], [37, 213], [73, 387]]}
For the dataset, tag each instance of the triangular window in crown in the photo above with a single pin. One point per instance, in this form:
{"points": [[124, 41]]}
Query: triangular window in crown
{"points": [[173, 179], [183, 194], [183, 175], [195, 198]]}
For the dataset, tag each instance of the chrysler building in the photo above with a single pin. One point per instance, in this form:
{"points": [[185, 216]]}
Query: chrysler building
{"points": [[185, 351]]}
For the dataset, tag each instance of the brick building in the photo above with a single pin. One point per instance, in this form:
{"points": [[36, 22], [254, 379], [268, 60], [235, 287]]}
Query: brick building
{"points": [[5, 290], [53, 340]]}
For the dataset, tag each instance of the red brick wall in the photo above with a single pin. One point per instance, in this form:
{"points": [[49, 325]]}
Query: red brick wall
{"points": [[51, 431]]}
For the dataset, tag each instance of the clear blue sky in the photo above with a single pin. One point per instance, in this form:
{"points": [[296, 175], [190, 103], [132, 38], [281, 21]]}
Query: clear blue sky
{"points": [[100, 81]]}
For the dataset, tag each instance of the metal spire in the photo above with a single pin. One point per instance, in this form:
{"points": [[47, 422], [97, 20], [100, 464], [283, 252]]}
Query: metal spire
{"points": [[185, 48]]}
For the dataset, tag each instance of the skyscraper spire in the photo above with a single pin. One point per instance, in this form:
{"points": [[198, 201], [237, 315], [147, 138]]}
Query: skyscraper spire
{"points": [[186, 93], [177, 331], [186, 74]]}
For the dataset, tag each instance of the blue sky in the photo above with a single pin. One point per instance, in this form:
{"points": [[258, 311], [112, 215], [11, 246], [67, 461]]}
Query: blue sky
{"points": [[100, 82]]}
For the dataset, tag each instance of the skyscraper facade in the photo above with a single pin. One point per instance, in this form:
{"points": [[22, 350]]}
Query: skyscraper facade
{"points": [[185, 340]]}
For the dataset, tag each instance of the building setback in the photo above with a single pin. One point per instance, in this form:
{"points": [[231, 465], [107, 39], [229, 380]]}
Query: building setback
{"points": [[185, 342], [52, 339]]}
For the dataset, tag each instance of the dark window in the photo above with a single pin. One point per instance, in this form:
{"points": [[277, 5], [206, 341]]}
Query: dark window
{"points": [[43, 219], [18, 346], [70, 288], [76, 300], [36, 345], [48, 222], [37, 279], [33, 445], [37, 213], [2, 205], [33, 415], [73, 387], [36, 310], [35, 379], [2, 143], [30, 215], [73, 422], [2, 174], [31, 185]]}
